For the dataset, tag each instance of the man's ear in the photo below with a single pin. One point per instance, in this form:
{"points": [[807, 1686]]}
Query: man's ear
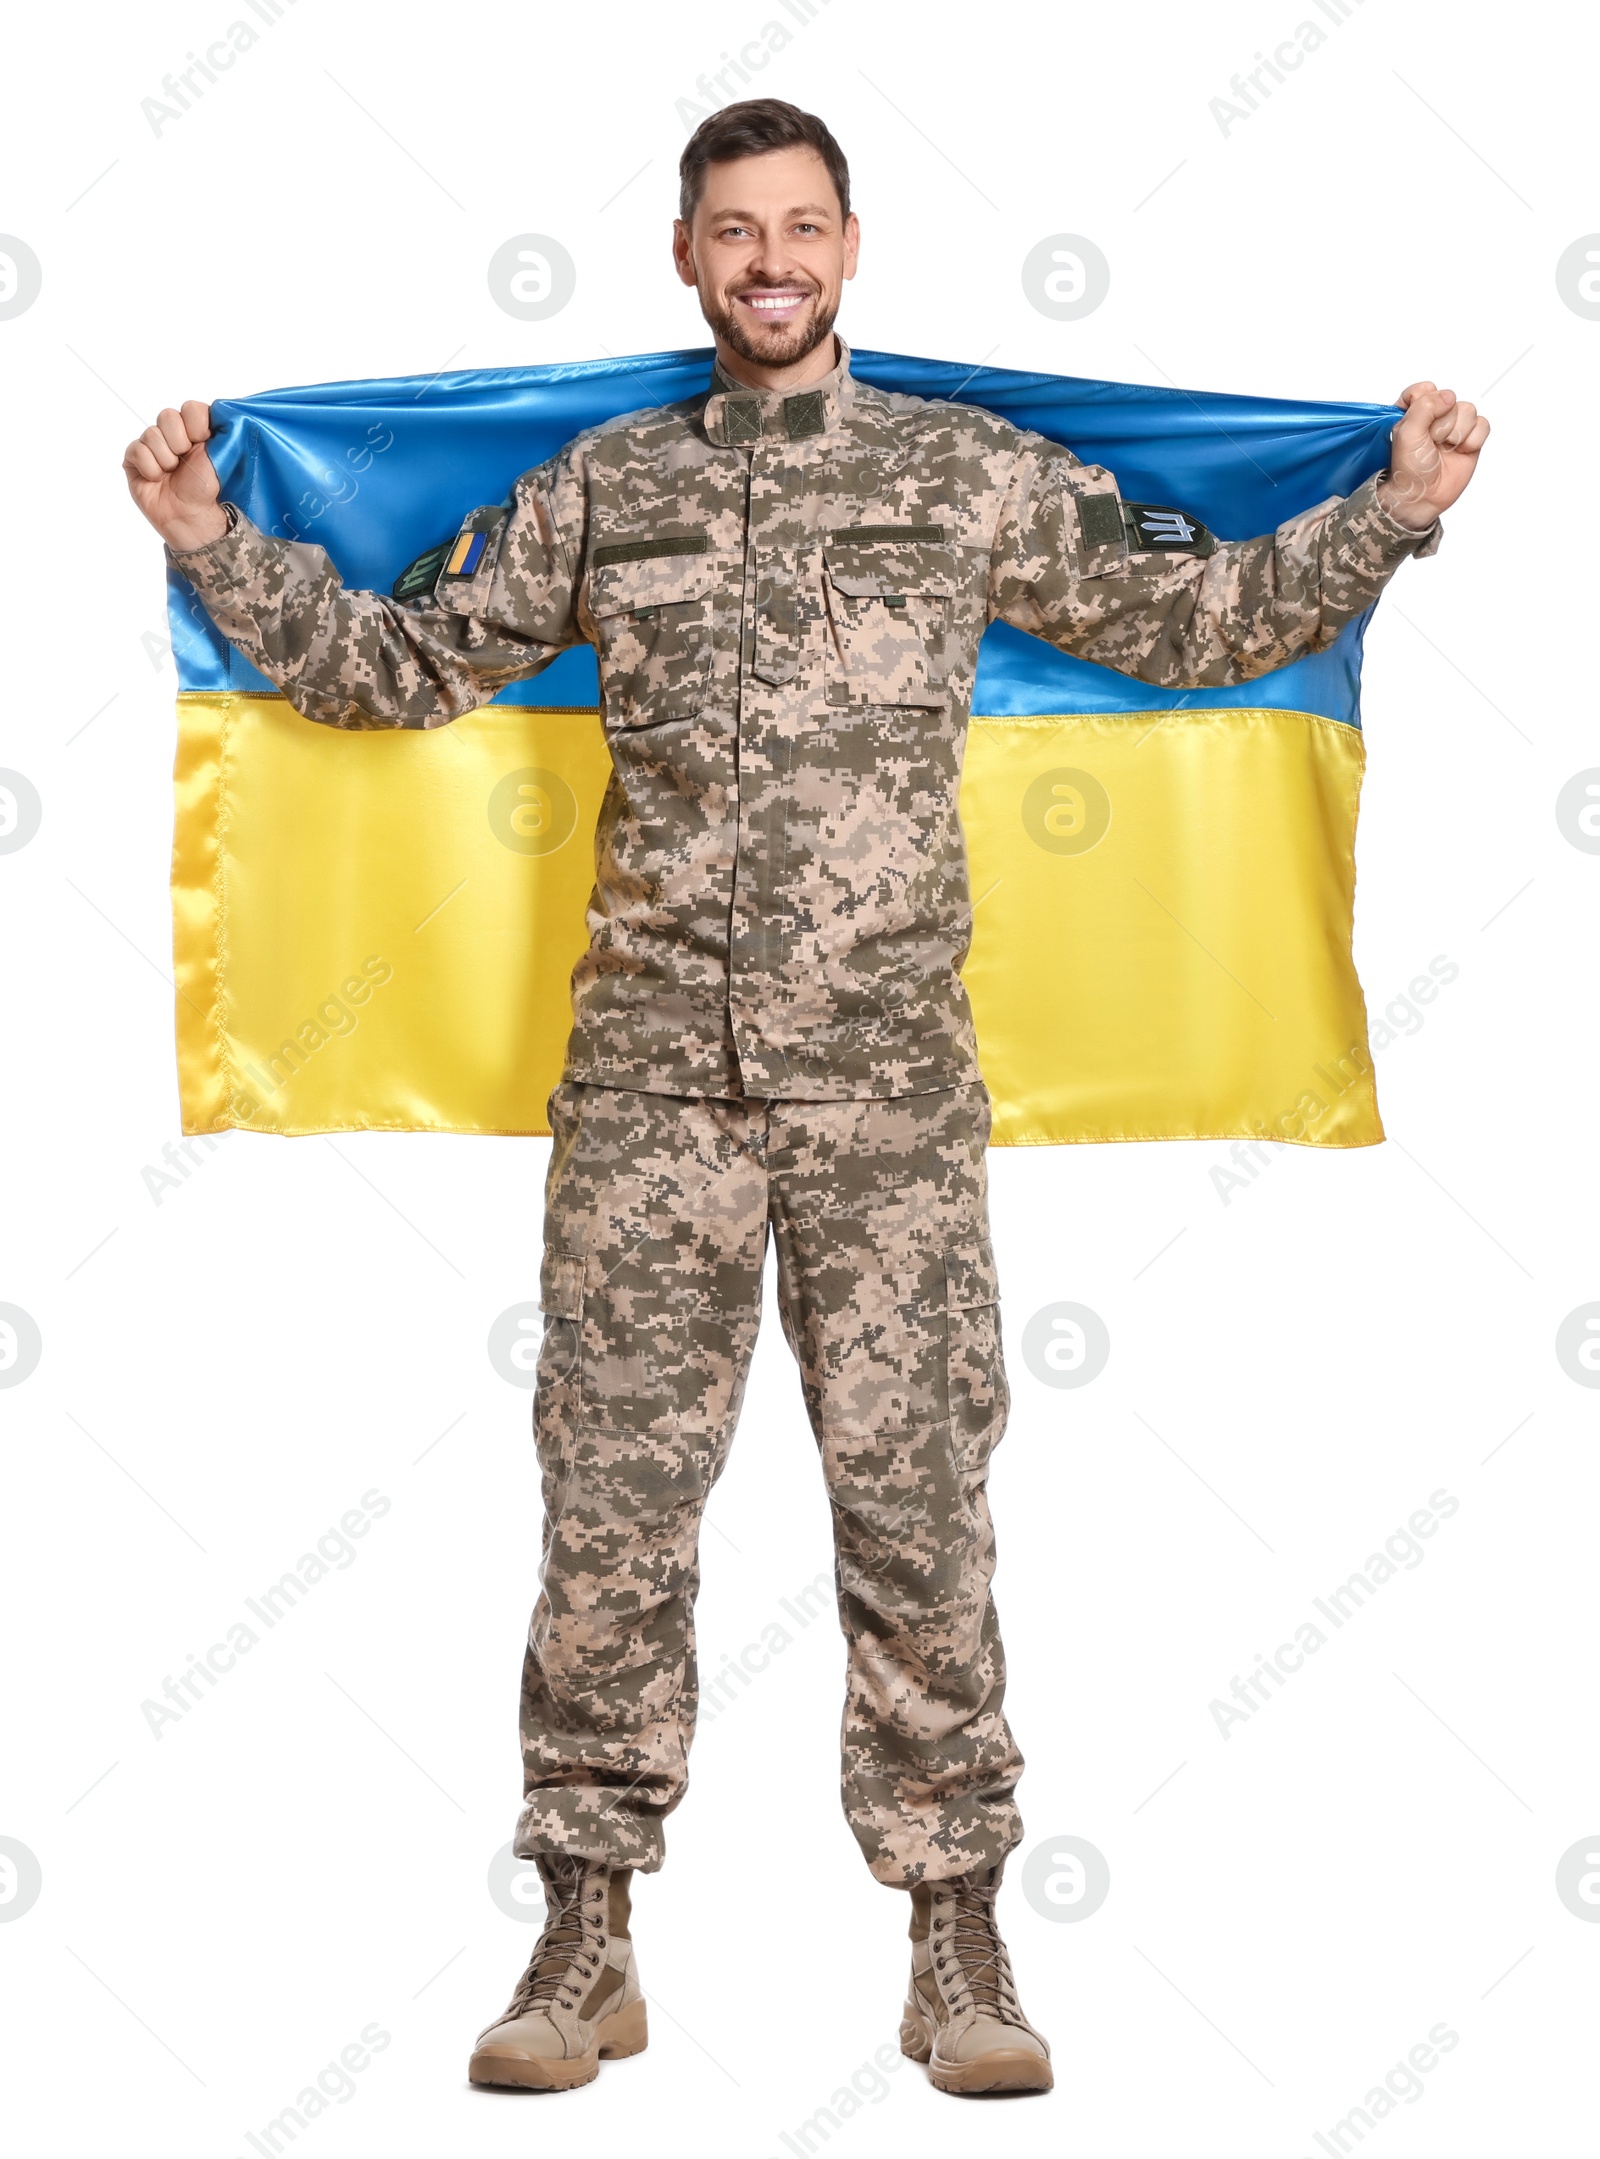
{"points": [[683, 251], [852, 244]]}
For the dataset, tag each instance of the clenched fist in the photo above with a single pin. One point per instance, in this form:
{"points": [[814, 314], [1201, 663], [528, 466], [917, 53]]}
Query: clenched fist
{"points": [[173, 480], [1433, 453]]}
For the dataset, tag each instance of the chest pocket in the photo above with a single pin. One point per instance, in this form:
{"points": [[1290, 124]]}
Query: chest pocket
{"points": [[890, 593], [652, 623]]}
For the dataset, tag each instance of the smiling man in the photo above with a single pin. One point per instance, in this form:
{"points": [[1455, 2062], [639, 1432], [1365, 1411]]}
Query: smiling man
{"points": [[786, 578], [770, 287]]}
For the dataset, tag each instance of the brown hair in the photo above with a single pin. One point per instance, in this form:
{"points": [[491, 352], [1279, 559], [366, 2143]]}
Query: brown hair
{"points": [[748, 129]]}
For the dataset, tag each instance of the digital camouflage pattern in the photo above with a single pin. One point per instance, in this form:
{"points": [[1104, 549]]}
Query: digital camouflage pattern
{"points": [[786, 594], [657, 1216]]}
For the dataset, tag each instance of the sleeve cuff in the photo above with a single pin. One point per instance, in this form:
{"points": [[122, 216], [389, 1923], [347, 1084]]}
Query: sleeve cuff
{"points": [[1373, 530], [216, 565]]}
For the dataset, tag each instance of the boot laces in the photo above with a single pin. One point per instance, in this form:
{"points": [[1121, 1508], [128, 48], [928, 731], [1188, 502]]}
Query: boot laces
{"points": [[566, 1956], [967, 1937]]}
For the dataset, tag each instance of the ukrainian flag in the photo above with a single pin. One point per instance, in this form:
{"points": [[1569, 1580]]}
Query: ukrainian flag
{"points": [[376, 931]]}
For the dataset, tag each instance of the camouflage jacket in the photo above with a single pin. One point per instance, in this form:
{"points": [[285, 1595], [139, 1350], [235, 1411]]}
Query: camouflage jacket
{"points": [[786, 594]]}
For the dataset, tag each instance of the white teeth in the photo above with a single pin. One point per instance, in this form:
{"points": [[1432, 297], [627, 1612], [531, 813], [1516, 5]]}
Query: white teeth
{"points": [[792, 299]]}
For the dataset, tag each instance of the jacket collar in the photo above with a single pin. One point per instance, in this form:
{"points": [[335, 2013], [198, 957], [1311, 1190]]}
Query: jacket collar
{"points": [[739, 416]]}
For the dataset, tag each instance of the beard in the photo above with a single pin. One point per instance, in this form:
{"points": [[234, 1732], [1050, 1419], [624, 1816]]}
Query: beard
{"points": [[781, 345]]}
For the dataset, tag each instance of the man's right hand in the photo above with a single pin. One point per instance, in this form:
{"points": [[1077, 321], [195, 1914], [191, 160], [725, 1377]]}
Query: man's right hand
{"points": [[172, 479]]}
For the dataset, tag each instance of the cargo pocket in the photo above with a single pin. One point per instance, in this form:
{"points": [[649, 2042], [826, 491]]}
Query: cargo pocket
{"points": [[557, 1393], [652, 627], [975, 1365], [561, 1302], [890, 595]]}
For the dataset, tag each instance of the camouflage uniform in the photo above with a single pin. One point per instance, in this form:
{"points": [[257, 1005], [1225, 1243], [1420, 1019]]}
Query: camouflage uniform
{"points": [[786, 593], [656, 1222]]}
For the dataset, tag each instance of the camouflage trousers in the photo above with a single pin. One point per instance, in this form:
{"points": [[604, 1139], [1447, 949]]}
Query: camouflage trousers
{"points": [[658, 1209]]}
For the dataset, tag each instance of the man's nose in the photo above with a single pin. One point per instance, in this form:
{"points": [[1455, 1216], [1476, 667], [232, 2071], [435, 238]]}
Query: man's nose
{"points": [[773, 261]]}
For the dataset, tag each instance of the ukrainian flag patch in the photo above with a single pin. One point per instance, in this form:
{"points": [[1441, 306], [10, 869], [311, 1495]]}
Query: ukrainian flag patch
{"points": [[466, 554]]}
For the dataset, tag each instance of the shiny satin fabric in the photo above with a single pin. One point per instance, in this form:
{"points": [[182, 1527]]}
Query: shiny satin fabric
{"points": [[376, 931], [377, 471]]}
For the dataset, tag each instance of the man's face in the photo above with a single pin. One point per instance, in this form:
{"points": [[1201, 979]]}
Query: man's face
{"points": [[768, 253]]}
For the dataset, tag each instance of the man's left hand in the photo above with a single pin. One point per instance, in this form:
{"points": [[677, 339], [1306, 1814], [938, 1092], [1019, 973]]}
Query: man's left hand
{"points": [[1433, 453]]}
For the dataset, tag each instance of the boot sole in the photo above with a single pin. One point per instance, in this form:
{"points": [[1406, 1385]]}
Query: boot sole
{"points": [[1007, 2069], [614, 2038]]}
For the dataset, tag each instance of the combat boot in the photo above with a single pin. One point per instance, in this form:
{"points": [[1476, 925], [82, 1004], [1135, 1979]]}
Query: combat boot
{"points": [[579, 2002], [962, 2014]]}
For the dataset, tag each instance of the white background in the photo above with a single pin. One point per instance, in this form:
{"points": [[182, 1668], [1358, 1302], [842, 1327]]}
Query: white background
{"points": [[223, 1375]]}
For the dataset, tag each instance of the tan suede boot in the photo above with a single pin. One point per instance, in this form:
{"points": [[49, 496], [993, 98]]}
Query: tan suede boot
{"points": [[579, 2002], [962, 2014]]}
